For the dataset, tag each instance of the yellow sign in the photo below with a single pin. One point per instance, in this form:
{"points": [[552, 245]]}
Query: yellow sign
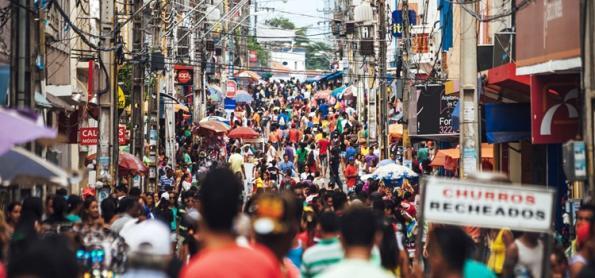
{"points": [[121, 98]]}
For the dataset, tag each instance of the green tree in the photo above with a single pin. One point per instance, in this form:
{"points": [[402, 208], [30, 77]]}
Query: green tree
{"points": [[280, 22], [313, 60], [261, 53]]}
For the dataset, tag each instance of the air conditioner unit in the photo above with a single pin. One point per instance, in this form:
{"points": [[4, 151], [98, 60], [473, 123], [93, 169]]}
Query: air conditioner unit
{"points": [[503, 48], [366, 47]]}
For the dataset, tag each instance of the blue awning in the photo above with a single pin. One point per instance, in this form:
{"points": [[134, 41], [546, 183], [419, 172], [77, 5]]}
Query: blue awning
{"points": [[332, 76], [507, 122]]}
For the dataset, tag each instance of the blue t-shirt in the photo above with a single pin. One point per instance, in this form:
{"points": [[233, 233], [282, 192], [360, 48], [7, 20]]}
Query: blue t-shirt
{"points": [[475, 269], [284, 166], [324, 110]]}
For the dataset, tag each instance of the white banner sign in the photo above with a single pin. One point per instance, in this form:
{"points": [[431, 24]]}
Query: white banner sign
{"points": [[479, 204]]}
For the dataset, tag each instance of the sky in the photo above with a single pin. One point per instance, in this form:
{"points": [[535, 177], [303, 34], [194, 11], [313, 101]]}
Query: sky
{"points": [[301, 12]]}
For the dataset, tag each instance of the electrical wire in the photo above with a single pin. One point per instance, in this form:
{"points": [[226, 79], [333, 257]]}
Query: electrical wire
{"points": [[482, 18]]}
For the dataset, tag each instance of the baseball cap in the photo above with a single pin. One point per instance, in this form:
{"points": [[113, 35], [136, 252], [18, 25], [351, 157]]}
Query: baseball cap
{"points": [[165, 196], [149, 237], [272, 215]]}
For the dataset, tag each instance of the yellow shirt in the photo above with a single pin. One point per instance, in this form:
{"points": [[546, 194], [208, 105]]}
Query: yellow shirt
{"points": [[364, 151], [318, 137], [316, 120], [235, 162], [259, 183]]}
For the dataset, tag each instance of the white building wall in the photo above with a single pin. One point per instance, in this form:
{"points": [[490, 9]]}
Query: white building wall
{"points": [[295, 61]]}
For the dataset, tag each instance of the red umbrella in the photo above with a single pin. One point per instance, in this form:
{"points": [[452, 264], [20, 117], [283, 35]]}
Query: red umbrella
{"points": [[243, 133], [127, 163]]}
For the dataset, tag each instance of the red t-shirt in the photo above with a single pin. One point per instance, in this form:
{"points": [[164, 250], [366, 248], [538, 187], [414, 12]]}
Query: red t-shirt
{"points": [[233, 262], [350, 175], [323, 145], [294, 135]]}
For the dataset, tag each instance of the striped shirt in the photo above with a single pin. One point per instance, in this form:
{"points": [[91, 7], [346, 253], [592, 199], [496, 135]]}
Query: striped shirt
{"points": [[325, 253]]}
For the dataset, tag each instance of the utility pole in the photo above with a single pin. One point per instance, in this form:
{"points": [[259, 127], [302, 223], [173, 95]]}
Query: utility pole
{"points": [[382, 79], [589, 87], [198, 71], [469, 133], [138, 73], [107, 104], [153, 113], [405, 79]]}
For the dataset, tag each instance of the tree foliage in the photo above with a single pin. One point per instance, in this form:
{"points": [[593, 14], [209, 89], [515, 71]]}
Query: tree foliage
{"points": [[261, 53], [280, 22]]}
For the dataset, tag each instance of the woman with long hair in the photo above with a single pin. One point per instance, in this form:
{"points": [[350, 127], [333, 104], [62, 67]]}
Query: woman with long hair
{"points": [[27, 229], [12, 216], [90, 213]]}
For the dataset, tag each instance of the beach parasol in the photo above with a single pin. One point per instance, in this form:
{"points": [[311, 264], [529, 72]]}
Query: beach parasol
{"points": [[126, 163], [20, 127], [243, 97], [243, 133], [20, 166]]}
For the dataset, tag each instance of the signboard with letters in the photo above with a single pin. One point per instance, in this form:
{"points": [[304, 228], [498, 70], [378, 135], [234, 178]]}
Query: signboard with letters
{"points": [[88, 136], [231, 88], [434, 110], [488, 205]]}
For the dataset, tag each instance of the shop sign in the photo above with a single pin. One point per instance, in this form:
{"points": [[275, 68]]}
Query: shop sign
{"points": [[434, 110], [555, 108], [88, 136], [184, 75], [252, 56], [481, 204], [231, 88]]}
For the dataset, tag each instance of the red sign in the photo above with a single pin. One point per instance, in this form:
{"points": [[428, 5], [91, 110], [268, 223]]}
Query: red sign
{"points": [[232, 87], [88, 136], [555, 108], [183, 74], [252, 56]]}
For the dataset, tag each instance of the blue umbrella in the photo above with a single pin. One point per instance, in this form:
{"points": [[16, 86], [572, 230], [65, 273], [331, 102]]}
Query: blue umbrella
{"points": [[243, 96]]}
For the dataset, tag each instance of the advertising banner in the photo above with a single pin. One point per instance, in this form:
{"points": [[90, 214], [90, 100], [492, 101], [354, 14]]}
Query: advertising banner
{"points": [[434, 110], [88, 136], [555, 108], [184, 75], [481, 204]]}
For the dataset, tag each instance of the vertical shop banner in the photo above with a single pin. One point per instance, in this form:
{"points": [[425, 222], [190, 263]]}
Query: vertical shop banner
{"points": [[555, 108], [435, 109], [184, 75], [231, 88]]}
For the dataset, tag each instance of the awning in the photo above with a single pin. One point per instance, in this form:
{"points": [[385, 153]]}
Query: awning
{"points": [[449, 158], [42, 101], [507, 122], [332, 76], [59, 103], [502, 80]]}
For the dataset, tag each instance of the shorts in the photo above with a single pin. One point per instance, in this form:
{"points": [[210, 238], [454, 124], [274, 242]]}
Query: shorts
{"points": [[323, 160]]}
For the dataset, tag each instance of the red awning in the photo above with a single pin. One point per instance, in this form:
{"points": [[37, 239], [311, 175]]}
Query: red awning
{"points": [[504, 76]]}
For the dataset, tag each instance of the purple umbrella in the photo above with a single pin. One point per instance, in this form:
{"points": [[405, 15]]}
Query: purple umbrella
{"points": [[19, 127]]}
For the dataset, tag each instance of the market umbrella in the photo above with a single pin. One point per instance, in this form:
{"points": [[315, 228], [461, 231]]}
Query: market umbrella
{"points": [[249, 74], [338, 92], [386, 162], [212, 127], [215, 93], [20, 166], [20, 127], [126, 162], [391, 171], [243, 96], [243, 133], [323, 94], [217, 119]]}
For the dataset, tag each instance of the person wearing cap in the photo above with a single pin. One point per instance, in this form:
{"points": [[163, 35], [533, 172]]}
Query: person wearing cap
{"points": [[150, 250], [276, 224], [351, 173], [219, 198]]}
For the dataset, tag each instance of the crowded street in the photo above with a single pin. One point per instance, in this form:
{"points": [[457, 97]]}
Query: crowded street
{"points": [[286, 138]]}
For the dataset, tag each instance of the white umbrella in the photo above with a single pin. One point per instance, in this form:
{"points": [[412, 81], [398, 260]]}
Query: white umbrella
{"points": [[22, 166], [391, 171]]}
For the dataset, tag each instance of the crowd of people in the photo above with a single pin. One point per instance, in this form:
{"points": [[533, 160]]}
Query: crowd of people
{"points": [[293, 204]]}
